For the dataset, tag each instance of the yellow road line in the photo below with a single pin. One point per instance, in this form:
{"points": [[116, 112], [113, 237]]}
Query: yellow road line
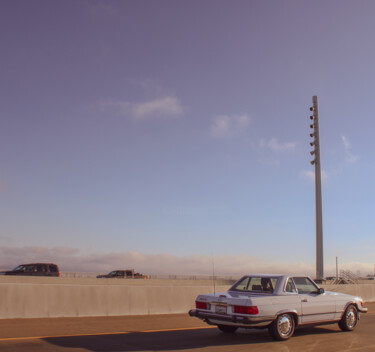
{"points": [[101, 334]]}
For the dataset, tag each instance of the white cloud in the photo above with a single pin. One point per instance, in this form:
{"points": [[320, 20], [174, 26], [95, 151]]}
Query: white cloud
{"points": [[164, 106], [161, 107], [350, 157], [229, 125], [310, 175], [276, 146]]}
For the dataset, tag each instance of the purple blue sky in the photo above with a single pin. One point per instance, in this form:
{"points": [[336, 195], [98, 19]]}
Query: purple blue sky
{"points": [[180, 129]]}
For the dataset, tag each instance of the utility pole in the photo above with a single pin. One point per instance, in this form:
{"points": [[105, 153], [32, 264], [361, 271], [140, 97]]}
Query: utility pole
{"points": [[318, 188]]}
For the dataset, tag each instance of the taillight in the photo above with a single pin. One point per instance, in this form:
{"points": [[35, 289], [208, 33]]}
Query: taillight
{"points": [[362, 303], [200, 305], [246, 309], [58, 274]]}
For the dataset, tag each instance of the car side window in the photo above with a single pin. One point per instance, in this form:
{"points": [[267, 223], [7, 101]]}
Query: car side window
{"points": [[304, 285], [243, 285], [40, 268], [30, 268], [53, 268], [290, 286], [257, 284]]}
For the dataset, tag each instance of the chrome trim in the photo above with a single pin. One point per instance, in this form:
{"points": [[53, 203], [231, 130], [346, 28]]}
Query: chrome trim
{"points": [[285, 325], [351, 318], [309, 315], [287, 311], [237, 319], [321, 322]]}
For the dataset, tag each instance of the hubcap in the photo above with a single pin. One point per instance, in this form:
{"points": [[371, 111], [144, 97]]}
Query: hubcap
{"points": [[285, 325], [351, 318]]}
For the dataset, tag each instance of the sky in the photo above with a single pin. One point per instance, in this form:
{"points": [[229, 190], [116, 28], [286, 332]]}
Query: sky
{"points": [[166, 135]]}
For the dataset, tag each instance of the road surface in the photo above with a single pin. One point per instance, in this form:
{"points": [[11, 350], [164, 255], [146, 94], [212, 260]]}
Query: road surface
{"points": [[177, 332]]}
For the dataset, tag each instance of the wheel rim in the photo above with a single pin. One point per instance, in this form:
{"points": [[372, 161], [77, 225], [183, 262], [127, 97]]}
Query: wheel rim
{"points": [[351, 318], [285, 325]]}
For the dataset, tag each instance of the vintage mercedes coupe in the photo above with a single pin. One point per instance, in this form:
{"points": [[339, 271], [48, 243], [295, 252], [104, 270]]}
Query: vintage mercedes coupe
{"points": [[277, 302]]}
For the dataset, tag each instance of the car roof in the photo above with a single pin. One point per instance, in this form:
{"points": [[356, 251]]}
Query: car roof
{"points": [[39, 264]]}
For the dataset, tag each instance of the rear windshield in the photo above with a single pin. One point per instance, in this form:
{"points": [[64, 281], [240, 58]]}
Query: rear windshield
{"points": [[256, 284]]}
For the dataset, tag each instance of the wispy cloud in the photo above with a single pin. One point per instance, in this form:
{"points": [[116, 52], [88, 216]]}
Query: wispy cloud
{"points": [[229, 125], [71, 259], [274, 145], [5, 239], [310, 175], [350, 157], [167, 106]]}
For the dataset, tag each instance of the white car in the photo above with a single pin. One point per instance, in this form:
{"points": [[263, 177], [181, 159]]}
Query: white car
{"points": [[277, 302]]}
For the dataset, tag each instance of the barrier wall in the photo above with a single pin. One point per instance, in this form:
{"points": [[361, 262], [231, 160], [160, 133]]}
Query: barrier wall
{"points": [[59, 297], [30, 297], [366, 291]]}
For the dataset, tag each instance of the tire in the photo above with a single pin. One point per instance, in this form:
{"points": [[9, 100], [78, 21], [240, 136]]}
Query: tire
{"points": [[283, 327], [228, 329], [349, 320]]}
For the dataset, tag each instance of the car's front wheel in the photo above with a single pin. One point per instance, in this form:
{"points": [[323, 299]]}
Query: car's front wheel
{"points": [[350, 319], [227, 328], [283, 327]]}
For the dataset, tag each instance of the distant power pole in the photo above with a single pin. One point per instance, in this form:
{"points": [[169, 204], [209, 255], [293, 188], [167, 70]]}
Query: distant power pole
{"points": [[318, 188]]}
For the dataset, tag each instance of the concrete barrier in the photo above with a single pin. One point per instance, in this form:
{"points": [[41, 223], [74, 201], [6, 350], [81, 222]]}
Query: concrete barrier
{"points": [[366, 291], [31, 297]]}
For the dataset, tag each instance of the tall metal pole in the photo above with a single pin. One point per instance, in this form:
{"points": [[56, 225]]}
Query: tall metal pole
{"points": [[318, 191]]}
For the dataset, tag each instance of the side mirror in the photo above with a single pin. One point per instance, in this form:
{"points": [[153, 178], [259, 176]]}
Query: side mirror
{"points": [[320, 291]]}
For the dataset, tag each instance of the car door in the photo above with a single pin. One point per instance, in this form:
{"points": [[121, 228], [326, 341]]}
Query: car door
{"points": [[315, 307], [120, 274], [40, 270], [30, 270]]}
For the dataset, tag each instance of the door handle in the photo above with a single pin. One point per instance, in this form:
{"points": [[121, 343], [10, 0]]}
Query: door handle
{"points": [[304, 300]]}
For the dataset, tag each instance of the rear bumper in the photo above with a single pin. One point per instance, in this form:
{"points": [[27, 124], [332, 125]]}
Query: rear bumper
{"points": [[236, 320]]}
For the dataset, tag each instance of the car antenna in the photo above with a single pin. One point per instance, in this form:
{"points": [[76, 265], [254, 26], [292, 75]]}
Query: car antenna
{"points": [[213, 273]]}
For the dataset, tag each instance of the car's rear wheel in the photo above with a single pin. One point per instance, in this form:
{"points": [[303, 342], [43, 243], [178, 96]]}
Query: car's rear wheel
{"points": [[283, 327], [350, 319], [229, 329]]}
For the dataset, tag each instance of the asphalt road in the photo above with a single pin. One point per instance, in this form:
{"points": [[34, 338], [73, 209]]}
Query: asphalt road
{"points": [[172, 333]]}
